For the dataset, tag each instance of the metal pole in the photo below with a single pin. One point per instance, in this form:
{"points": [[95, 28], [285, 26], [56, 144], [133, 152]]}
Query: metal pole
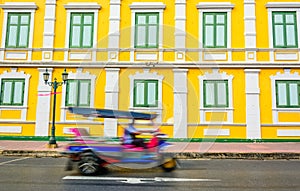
{"points": [[52, 140]]}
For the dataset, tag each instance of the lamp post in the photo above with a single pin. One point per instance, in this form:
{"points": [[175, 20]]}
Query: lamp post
{"points": [[55, 84]]}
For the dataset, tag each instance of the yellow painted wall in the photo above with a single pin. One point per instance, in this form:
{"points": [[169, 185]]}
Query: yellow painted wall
{"points": [[236, 132], [271, 132]]}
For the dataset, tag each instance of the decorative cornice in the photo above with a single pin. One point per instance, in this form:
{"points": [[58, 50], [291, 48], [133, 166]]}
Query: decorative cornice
{"points": [[18, 5], [224, 5], [282, 5], [82, 6], [148, 5]]}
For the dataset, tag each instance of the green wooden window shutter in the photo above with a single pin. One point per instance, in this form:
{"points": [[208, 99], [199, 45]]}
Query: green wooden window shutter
{"points": [[12, 92], [145, 93], [284, 29], [214, 30], [17, 34], [78, 93], [81, 30], [215, 93], [146, 30]]}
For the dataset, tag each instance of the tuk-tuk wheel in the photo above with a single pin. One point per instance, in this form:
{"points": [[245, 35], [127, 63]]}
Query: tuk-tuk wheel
{"points": [[169, 164], [89, 164]]}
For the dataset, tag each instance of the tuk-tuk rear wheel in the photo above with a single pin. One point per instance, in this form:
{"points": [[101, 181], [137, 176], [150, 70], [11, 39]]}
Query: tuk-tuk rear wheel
{"points": [[169, 164], [89, 164]]}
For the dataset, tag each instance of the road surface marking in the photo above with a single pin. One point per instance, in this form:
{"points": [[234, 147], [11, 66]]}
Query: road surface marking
{"points": [[140, 180], [10, 161]]}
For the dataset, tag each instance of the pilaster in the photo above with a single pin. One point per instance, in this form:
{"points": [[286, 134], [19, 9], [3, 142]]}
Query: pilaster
{"points": [[180, 103], [111, 100], [43, 105], [180, 32], [253, 125], [250, 30]]}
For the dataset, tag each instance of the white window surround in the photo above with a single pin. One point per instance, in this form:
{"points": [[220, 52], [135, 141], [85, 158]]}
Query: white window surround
{"points": [[80, 76], [82, 8], [216, 75], [147, 7], [147, 75], [18, 7], [215, 7], [287, 75], [17, 75], [282, 6]]}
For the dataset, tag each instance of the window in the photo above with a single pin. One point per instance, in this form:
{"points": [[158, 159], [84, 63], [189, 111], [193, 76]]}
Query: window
{"points": [[145, 93], [288, 93], [146, 30], [17, 35], [284, 29], [78, 93], [12, 91], [81, 30], [215, 93], [214, 30]]}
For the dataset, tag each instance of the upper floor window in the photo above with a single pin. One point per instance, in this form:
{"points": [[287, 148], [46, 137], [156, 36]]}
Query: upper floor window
{"points": [[78, 93], [215, 93], [145, 93], [12, 91], [146, 30], [284, 29], [214, 30], [17, 35], [288, 93], [81, 30]]}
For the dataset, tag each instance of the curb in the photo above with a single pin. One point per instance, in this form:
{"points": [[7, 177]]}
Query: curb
{"points": [[185, 155], [248, 156]]}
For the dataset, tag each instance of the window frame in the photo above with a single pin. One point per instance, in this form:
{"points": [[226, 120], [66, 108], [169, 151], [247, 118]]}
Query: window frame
{"points": [[146, 82], [78, 82], [284, 13], [82, 25], [215, 24], [215, 83], [287, 83], [19, 24], [12, 93], [147, 25]]}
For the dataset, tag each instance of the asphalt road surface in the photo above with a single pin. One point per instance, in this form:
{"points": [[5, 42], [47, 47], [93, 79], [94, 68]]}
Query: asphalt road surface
{"points": [[47, 174]]}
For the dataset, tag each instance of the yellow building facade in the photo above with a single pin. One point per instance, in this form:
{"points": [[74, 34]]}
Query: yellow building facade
{"points": [[209, 69]]}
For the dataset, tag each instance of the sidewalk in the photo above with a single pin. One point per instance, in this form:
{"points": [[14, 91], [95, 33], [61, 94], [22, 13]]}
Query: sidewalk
{"points": [[191, 150]]}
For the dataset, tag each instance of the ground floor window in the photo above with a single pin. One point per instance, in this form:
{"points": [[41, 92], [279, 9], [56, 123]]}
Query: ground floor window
{"points": [[78, 93], [215, 93], [288, 93], [145, 93], [12, 91]]}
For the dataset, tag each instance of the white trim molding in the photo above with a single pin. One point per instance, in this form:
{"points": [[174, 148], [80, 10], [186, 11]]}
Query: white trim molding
{"points": [[283, 54], [147, 75], [11, 129], [288, 132], [286, 75], [79, 75], [111, 100], [215, 7], [180, 103], [147, 7], [250, 30], [180, 29], [114, 30], [216, 75], [17, 7], [84, 55], [13, 74], [43, 104], [49, 29], [253, 128]]}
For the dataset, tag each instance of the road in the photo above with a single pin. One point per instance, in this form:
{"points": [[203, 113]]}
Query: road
{"points": [[47, 174]]}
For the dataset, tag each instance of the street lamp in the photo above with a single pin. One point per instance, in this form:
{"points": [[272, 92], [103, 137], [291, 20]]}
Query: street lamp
{"points": [[55, 84]]}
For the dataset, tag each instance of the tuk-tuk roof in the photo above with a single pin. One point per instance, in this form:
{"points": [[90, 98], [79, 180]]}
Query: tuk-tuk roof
{"points": [[108, 113]]}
